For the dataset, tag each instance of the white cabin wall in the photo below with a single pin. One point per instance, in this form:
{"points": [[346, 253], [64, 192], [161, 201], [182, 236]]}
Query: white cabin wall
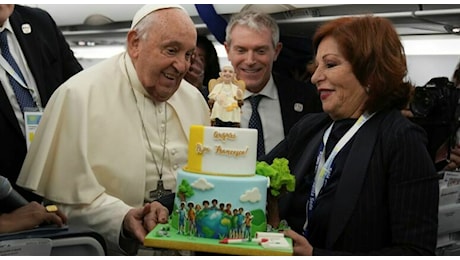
{"points": [[431, 56], [422, 68], [428, 56]]}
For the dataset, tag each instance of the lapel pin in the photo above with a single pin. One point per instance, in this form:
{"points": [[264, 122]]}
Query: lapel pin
{"points": [[26, 29], [298, 107]]}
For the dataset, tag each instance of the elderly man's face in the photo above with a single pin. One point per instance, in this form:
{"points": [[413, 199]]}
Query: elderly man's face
{"points": [[163, 58]]}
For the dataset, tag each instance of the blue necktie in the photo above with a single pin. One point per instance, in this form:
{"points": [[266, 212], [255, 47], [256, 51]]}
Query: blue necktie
{"points": [[22, 94], [256, 123]]}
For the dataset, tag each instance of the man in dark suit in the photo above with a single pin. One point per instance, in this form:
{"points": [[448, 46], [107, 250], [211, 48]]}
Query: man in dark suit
{"points": [[46, 60], [252, 44]]}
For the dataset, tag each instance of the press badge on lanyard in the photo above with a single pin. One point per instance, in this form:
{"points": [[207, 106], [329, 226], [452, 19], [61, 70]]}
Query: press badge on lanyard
{"points": [[323, 167], [32, 115], [31, 118]]}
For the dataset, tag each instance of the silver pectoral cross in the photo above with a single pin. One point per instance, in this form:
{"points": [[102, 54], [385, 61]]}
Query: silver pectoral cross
{"points": [[160, 191]]}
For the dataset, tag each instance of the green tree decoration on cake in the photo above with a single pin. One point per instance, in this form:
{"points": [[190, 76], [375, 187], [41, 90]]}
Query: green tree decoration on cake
{"points": [[281, 179], [185, 190]]}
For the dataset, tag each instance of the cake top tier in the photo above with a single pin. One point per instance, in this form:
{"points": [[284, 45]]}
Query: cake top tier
{"points": [[222, 151]]}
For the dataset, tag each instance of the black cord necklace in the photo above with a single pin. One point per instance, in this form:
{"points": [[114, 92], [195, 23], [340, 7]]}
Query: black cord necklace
{"points": [[160, 190]]}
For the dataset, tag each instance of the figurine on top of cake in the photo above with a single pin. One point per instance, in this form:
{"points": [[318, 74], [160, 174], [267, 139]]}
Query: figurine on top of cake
{"points": [[226, 98]]}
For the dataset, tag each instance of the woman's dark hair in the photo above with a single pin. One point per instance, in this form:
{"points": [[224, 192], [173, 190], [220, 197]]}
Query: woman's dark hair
{"points": [[212, 69]]}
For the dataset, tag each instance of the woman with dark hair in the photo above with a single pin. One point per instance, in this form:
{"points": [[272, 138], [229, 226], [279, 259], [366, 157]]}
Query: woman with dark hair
{"points": [[207, 50], [205, 65], [365, 182]]}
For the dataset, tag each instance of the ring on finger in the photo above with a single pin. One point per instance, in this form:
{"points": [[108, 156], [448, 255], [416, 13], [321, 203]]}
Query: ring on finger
{"points": [[51, 208]]}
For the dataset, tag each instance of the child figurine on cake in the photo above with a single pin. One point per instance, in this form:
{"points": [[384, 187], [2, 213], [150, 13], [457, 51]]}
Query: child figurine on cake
{"points": [[226, 99]]}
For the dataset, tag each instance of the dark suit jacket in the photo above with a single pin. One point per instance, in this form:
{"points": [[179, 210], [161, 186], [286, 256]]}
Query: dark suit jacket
{"points": [[386, 200], [293, 95], [51, 62]]}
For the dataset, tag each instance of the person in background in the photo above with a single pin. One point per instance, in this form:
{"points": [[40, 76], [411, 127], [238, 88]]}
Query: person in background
{"points": [[195, 74], [28, 217], [208, 53], [444, 151], [365, 182], [252, 44], [309, 69], [205, 65], [112, 137], [16, 214], [456, 76], [449, 160], [45, 61]]}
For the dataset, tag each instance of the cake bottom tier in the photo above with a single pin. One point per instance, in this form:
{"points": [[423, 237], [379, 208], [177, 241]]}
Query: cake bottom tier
{"points": [[220, 206]]}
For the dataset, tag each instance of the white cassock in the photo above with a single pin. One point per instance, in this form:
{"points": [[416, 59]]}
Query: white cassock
{"points": [[90, 155]]}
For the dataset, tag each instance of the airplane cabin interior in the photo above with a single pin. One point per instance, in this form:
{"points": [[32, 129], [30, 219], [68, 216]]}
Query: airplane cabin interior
{"points": [[430, 34]]}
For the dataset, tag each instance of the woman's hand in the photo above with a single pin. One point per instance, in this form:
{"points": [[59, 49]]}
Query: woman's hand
{"points": [[301, 244]]}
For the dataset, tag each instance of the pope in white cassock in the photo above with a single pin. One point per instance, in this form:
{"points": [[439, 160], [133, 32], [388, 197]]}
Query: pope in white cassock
{"points": [[112, 137]]}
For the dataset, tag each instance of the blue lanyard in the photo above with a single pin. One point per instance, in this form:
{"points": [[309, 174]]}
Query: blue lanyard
{"points": [[323, 168]]}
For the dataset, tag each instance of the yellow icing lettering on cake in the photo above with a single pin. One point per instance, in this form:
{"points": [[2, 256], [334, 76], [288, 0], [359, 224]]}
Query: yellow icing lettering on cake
{"points": [[195, 156], [202, 149], [231, 152], [224, 136]]}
